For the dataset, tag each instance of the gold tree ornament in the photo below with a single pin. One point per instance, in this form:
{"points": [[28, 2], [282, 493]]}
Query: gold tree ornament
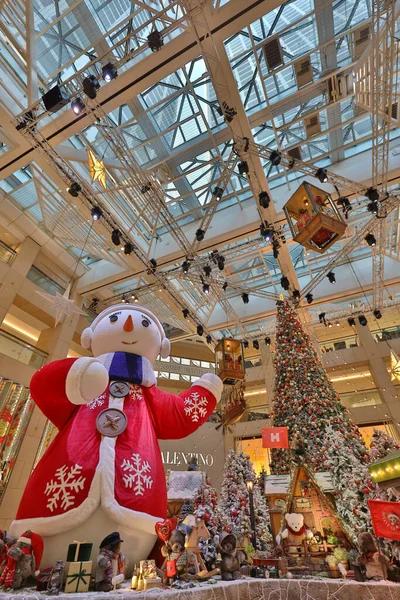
{"points": [[97, 169], [395, 366]]}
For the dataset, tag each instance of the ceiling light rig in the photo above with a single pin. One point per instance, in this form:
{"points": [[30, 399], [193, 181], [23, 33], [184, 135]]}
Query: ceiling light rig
{"points": [[245, 344], [200, 330], [155, 41], [345, 204], [109, 72], [243, 169], [245, 298], [206, 288], [207, 270], [362, 320], [78, 106], [73, 189], [264, 199], [116, 237], [135, 298], [221, 262], [275, 158], [309, 298], [186, 313], [96, 213], [217, 193], [91, 86], [256, 345], [185, 267], [370, 239], [322, 318], [351, 321], [225, 285], [285, 283], [331, 277], [128, 248], [377, 313], [208, 339], [200, 233], [153, 263], [267, 341], [322, 175], [296, 295]]}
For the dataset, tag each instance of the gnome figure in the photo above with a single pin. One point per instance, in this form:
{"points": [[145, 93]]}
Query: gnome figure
{"points": [[104, 467]]}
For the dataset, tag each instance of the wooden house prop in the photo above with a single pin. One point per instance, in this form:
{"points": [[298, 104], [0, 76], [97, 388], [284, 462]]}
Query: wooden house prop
{"points": [[229, 360], [182, 486]]}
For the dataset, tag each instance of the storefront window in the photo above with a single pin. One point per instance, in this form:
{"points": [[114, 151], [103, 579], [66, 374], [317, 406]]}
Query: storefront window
{"points": [[368, 430], [259, 456]]}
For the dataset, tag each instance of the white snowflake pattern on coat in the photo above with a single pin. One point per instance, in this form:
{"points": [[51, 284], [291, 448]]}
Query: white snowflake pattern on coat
{"points": [[136, 392], [67, 480], [97, 402], [138, 477], [195, 406]]}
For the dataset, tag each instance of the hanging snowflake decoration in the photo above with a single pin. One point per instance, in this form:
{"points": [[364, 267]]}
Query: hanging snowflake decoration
{"points": [[59, 490], [138, 478], [60, 304], [196, 407]]}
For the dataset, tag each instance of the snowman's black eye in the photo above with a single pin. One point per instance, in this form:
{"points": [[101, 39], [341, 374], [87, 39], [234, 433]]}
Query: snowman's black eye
{"points": [[113, 318], [145, 322]]}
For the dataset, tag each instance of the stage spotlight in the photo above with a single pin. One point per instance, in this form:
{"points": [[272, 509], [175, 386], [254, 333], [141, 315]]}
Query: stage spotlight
{"points": [[225, 285], [256, 345], [185, 267], [296, 295], [74, 189], [221, 262], [245, 344], [267, 341], [285, 283], [206, 288], [372, 194], [209, 339], [91, 86], [264, 199], [116, 237], [337, 324], [275, 158], [331, 277], [309, 298], [321, 317], [362, 320], [275, 248], [370, 239], [322, 175], [135, 298], [153, 263], [266, 232], [200, 235], [373, 207], [109, 72], [377, 314], [200, 330], [155, 41], [128, 248], [207, 270], [55, 99], [243, 168], [78, 106], [96, 213], [186, 313], [351, 321], [217, 193], [245, 298]]}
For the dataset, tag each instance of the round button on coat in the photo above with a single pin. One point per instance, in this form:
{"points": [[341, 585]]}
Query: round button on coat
{"points": [[111, 422]]}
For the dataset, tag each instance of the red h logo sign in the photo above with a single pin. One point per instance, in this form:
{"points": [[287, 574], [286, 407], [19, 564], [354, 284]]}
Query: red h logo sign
{"points": [[275, 437]]}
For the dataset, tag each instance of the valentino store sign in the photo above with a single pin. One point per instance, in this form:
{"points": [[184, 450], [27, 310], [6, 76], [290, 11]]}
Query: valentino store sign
{"points": [[183, 458]]}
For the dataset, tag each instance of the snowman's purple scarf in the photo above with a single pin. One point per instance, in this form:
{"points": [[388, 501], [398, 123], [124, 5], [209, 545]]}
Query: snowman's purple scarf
{"points": [[123, 366]]}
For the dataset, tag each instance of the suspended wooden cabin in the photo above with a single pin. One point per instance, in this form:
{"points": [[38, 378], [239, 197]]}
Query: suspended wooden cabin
{"points": [[230, 361], [314, 219]]}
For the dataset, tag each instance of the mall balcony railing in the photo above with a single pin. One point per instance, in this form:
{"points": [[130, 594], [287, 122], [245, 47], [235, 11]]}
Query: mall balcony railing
{"points": [[19, 350], [7, 254], [350, 341], [389, 333], [44, 281]]}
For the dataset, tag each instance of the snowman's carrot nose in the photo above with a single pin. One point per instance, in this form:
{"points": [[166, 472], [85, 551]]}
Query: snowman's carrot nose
{"points": [[128, 325]]}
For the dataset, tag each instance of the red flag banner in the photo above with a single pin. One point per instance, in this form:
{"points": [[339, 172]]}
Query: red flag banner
{"points": [[275, 437], [385, 518]]}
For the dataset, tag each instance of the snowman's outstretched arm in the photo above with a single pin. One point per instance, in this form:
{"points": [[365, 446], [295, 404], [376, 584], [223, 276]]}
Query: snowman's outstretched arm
{"points": [[176, 417]]}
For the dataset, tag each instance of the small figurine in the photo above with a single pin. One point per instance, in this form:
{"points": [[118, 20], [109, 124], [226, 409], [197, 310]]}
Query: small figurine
{"points": [[230, 567], [295, 531], [376, 564], [56, 578], [23, 560], [177, 557], [6, 541], [110, 562], [193, 466]]}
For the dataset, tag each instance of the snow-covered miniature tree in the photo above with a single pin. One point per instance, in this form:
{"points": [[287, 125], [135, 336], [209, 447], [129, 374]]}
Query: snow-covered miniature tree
{"points": [[381, 445], [304, 399], [205, 503], [233, 511]]}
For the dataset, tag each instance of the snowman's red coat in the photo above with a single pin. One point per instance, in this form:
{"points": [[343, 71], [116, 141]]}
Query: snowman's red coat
{"points": [[152, 414]]}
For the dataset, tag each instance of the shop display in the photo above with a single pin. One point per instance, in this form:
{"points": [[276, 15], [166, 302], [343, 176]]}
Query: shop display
{"points": [[110, 562], [84, 478]]}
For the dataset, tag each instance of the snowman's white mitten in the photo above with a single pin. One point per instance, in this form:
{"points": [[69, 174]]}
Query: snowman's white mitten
{"points": [[212, 383], [86, 380]]}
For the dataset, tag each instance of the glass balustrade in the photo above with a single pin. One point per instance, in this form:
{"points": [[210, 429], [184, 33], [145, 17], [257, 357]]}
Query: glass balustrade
{"points": [[340, 344], [44, 281], [6, 253], [389, 333], [21, 351]]}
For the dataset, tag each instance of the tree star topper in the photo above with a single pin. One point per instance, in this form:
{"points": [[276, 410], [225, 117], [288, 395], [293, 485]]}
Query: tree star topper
{"points": [[60, 304], [395, 364], [97, 169]]}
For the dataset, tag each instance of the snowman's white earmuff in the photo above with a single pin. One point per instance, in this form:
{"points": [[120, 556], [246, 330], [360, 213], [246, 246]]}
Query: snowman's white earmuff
{"points": [[86, 338], [165, 348]]}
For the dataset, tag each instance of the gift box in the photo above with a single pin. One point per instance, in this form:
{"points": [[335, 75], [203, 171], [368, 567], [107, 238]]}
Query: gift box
{"points": [[152, 582], [148, 568], [43, 579], [78, 578], [79, 551]]}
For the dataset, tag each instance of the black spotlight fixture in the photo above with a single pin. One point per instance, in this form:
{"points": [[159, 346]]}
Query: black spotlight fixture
{"points": [[217, 193], [266, 232], [275, 248], [96, 213], [345, 203], [245, 344], [128, 248], [351, 321], [285, 283], [200, 235], [200, 330], [243, 169], [267, 341], [373, 207], [362, 320], [296, 295], [146, 188], [153, 263], [370, 239], [245, 298], [78, 106], [372, 194], [256, 345], [331, 277], [264, 199], [322, 175], [206, 288], [275, 158], [185, 266], [377, 314], [155, 41], [91, 86], [221, 262], [186, 313], [309, 298], [225, 285], [116, 237], [207, 270], [55, 99], [74, 189], [321, 317], [109, 72], [209, 339]]}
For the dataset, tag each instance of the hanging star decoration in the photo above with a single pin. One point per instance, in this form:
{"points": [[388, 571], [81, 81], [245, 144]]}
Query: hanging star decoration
{"points": [[60, 304], [97, 169], [395, 366]]}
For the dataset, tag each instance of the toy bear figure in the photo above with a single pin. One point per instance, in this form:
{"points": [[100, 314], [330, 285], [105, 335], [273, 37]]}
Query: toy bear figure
{"points": [[56, 578], [110, 415], [230, 567], [295, 531], [376, 564], [23, 560], [177, 557], [110, 562], [6, 541]]}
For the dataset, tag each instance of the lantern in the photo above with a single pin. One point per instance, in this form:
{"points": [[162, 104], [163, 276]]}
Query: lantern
{"points": [[229, 361], [314, 219]]}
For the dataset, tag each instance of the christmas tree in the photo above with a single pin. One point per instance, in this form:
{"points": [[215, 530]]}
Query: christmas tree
{"points": [[233, 508], [304, 399], [382, 445]]}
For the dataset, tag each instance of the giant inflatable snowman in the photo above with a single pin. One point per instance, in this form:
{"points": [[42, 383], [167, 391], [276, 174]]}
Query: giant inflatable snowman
{"points": [[103, 471]]}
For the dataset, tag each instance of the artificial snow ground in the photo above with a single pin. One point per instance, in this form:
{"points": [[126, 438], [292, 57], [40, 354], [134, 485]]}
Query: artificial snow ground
{"points": [[245, 589]]}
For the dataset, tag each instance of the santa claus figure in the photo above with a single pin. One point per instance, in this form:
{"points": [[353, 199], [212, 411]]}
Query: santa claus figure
{"points": [[104, 470]]}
